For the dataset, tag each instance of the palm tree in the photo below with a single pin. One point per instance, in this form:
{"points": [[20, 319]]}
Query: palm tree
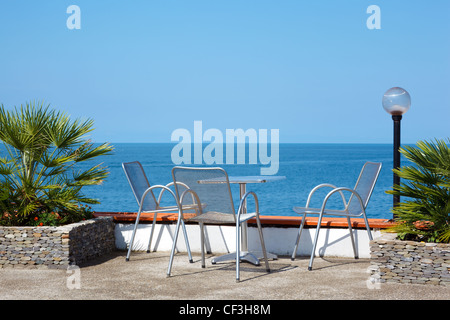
{"points": [[425, 213], [41, 169]]}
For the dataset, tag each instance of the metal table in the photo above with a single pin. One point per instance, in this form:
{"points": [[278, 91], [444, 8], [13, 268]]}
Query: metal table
{"points": [[253, 256]]}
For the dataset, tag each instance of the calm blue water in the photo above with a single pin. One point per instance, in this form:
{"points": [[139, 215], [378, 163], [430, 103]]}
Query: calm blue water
{"points": [[304, 165]]}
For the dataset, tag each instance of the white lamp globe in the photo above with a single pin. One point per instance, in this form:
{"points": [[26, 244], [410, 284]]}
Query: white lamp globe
{"points": [[396, 101]]}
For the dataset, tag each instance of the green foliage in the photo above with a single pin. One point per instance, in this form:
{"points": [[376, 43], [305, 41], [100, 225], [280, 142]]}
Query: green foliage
{"points": [[426, 185], [61, 218], [43, 169]]}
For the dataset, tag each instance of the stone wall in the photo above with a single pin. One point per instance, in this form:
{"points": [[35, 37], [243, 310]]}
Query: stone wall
{"points": [[56, 247], [409, 261]]}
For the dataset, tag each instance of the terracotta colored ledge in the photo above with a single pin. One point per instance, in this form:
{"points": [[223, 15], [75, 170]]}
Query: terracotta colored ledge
{"points": [[278, 221]]}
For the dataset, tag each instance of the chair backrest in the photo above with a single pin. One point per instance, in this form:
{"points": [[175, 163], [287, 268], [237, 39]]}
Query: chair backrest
{"points": [[139, 183], [364, 186], [210, 184]]}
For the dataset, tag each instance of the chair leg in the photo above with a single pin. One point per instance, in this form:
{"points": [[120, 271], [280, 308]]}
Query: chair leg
{"points": [[261, 239], [151, 233], [174, 244], [355, 252], [202, 243], [238, 253], [207, 243], [132, 236], [367, 226], [223, 238], [186, 240], [294, 253], [316, 237]]}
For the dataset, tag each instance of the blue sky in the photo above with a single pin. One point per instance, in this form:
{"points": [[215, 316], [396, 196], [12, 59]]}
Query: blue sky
{"points": [[311, 69]]}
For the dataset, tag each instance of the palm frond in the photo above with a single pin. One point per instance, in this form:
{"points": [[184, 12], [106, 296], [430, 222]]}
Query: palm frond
{"points": [[44, 148], [88, 151], [427, 184], [91, 176]]}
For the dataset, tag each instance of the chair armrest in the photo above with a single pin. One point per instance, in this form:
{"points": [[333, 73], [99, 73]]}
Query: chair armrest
{"points": [[157, 204], [241, 204], [322, 186], [167, 187], [196, 202], [342, 195]]}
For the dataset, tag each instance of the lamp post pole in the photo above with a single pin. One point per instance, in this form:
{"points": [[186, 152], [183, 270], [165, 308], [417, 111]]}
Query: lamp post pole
{"points": [[396, 101], [397, 119]]}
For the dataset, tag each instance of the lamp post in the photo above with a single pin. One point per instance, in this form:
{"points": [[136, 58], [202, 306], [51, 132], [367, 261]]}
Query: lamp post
{"points": [[396, 101]]}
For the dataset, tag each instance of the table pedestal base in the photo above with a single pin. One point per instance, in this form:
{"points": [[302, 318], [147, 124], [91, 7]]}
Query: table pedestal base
{"points": [[245, 256]]}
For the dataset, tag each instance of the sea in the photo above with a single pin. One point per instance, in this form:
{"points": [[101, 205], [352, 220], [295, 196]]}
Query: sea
{"points": [[304, 166]]}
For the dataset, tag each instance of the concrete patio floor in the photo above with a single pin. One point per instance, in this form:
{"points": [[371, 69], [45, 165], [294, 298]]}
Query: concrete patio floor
{"points": [[144, 277]]}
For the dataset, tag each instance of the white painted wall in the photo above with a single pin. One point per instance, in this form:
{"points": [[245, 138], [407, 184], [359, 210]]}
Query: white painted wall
{"points": [[332, 241]]}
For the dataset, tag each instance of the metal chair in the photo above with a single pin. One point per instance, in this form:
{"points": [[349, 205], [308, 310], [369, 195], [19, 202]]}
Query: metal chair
{"points": [[147, 201], [210, 187], [355, 207]]}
